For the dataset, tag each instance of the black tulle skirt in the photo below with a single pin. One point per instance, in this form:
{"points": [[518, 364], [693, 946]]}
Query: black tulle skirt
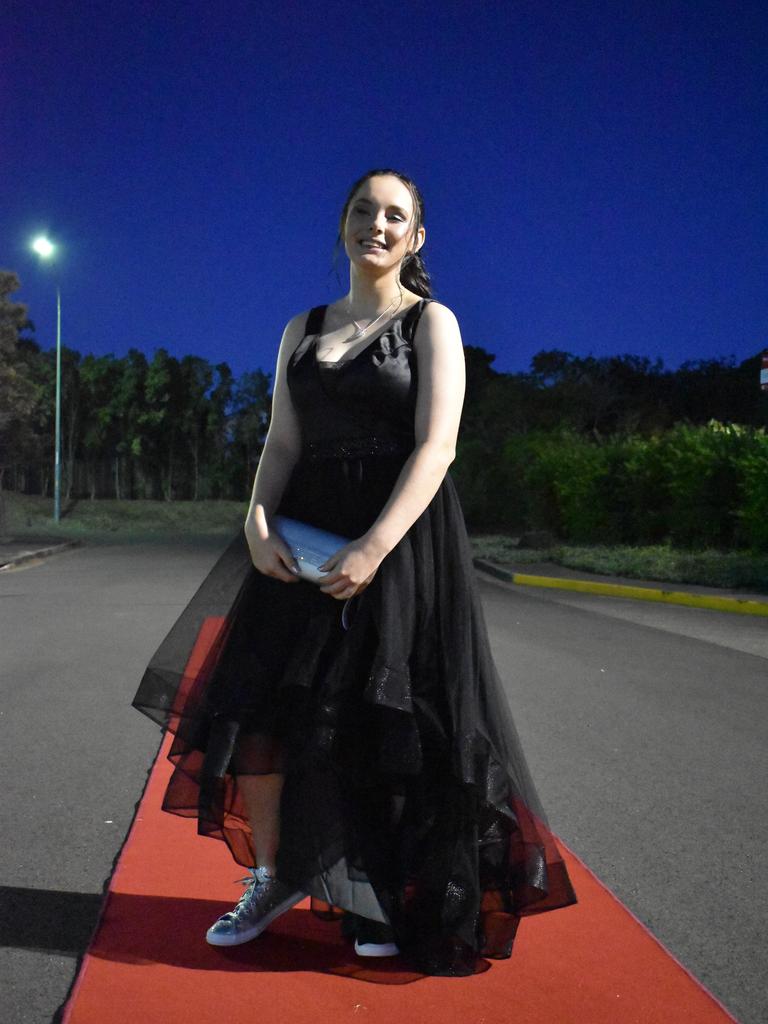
{"points": [[407, 798]]}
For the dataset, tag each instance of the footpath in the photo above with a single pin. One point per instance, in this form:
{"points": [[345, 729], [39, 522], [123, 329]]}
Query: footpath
{"points": [[30, 549], [534, 574]]}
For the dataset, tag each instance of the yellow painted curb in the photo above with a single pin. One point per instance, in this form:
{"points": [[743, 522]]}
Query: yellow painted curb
{"points": [[742, 606]]}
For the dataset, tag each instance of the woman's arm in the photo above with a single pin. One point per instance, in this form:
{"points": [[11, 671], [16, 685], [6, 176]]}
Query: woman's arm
{"points": [[439, 401], [282, 447]]}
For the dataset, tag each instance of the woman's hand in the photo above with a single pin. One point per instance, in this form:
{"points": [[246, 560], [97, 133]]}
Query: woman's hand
{"points": [[350, 570], [269, 552]]}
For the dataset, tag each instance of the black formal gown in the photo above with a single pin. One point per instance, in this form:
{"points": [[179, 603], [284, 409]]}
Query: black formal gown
{"points": [[407, 797]]}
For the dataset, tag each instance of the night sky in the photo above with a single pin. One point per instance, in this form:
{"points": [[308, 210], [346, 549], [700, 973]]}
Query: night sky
{"points": [[594, 173]]}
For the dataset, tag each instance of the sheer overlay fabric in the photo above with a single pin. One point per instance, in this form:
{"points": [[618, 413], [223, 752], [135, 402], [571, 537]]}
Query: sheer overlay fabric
{"points": [[407, 797]]}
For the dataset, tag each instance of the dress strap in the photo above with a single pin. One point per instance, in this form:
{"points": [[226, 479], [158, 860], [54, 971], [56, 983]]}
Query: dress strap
{"points": [[412, 317], [314, 320]]}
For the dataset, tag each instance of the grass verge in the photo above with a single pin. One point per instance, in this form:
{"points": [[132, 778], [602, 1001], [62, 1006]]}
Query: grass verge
{"points": [[108, 521], [709, 568]]}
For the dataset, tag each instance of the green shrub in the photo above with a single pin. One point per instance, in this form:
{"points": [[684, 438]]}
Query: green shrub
{"points": [[581, 471], [569, 484], [642, 487], [537, 458], [752, 514], [703, 487], [489, 494], [704, 481]]}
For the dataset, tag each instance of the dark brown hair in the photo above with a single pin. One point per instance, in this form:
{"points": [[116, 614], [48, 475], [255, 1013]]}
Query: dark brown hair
{"points": [[413, 273]]}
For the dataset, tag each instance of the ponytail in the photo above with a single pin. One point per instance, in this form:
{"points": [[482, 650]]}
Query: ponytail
{"points": [[415, 276]]}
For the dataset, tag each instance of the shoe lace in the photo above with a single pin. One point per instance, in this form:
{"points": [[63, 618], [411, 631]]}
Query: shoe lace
{"points": [[255, 878], [253, 881]]}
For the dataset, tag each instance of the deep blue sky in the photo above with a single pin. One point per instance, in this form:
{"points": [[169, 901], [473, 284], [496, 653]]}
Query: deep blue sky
{"points": [[594, 173]]}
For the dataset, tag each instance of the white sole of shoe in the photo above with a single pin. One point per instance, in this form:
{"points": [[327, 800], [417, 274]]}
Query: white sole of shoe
{"points": [[376, 948], [217, 939]]}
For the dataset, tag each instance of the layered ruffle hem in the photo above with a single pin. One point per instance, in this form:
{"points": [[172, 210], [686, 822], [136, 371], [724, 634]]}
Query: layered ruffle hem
{"points": [[407, 797]]}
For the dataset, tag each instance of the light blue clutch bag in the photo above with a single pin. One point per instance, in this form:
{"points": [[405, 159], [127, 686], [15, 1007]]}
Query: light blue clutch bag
{"points": [[311, 546]]}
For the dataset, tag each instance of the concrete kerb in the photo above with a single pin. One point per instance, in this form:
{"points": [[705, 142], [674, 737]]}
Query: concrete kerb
{"points": [[12, 558], [721, 603], [717, 602]]}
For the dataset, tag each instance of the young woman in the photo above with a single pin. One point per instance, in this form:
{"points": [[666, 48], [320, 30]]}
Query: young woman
{"points": [[370, 760]]}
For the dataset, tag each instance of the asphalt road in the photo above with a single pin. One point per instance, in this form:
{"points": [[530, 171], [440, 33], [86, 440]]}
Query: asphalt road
{"points": [[644, 726]]}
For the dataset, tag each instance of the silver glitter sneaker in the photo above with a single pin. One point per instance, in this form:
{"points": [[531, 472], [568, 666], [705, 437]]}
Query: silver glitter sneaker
{"points": [[264, 899]]}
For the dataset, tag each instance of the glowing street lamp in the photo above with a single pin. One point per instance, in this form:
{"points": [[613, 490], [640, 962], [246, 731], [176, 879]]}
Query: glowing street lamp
{"points": [[43, 247], [45, 250]]}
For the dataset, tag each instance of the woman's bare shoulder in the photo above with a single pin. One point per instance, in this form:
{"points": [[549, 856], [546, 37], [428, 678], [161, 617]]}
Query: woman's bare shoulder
{"points": [[438, 336], [298, 322], [436, 317], [438, 309], [293, 332]]}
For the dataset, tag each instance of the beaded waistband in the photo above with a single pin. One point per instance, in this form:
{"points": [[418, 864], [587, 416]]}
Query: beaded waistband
{"points": [[356, 447]]}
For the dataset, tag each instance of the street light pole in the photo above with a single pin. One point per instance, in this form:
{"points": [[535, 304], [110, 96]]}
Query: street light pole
{"points": [[57, 465], [45, 250]]}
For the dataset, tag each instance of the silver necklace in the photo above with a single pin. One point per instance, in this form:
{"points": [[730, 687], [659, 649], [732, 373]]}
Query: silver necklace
{"points": [[360, 331]]}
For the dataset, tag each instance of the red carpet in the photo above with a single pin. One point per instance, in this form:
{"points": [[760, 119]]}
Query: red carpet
{"points": [[148, 962]]}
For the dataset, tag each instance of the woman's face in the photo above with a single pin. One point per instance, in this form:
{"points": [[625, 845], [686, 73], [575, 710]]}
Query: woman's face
{"points": [[377, 229]]}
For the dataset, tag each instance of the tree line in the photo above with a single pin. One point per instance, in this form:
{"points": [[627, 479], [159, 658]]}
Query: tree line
{"points": [[168, 428], [131, 427]]}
